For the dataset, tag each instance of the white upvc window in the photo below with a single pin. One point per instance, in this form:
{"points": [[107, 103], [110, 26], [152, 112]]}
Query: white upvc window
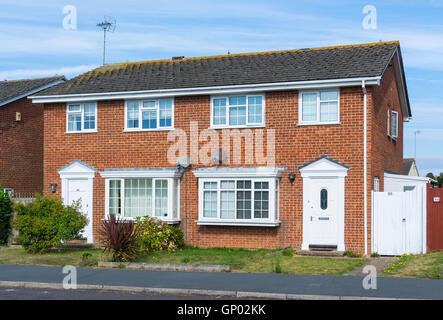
{"points": [[376, 184], [130, 196], [394, 124], [149, 115], [242, 201], [319, 107], [238, 111], [81, 117]]}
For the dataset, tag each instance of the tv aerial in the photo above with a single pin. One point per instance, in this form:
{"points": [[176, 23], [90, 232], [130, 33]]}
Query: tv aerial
{"points": [[108, 25]]}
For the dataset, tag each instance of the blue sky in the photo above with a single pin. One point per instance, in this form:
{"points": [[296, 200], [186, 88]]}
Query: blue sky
{"points": [[34, 42]]}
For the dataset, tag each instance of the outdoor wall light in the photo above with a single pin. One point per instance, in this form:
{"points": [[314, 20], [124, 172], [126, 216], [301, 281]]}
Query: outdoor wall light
{"points": [[53, 187], [291, 177]]}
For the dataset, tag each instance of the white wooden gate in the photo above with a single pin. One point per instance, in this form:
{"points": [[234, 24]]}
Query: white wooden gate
{"points": [[398, 221]]}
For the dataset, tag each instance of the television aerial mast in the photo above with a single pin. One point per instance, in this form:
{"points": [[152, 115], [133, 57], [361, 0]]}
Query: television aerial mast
{"points": [[108, 25]]}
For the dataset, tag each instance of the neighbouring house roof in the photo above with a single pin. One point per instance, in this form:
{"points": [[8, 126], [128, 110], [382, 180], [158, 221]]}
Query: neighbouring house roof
{"points": [[351, 61], [11, 90], [407, 165]]}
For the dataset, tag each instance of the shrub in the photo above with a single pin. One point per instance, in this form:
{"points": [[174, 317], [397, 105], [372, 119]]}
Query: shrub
{"points": [[46, 222], [156, 235], [375, 255], [351, 254], [120, 238], [288, 252], [5, 216]]}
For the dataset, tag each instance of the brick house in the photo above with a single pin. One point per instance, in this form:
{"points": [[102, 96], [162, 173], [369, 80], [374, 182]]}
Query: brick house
{"points": [[21, 133], [274, 148]]}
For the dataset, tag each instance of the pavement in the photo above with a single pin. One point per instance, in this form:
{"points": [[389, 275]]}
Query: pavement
{"points": [[237, 285]]}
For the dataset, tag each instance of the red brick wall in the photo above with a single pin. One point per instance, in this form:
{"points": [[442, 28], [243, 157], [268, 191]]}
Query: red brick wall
{"points": [[21, 147], [295, 145]]}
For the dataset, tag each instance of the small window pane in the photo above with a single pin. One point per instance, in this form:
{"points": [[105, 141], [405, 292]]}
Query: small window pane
{"points": [[219, 112], [89, 115], [227, 205], [166, 113], [161, 198], [75, 122], [115, 197], [237, 101], [149, 104], [309, 106], [328, 111], [328, 95], [149, 119], [227, 184], [255, 109], [132, 115], [210, 185], [324, 199], [210, 204], [74, 108], [237, 116]]}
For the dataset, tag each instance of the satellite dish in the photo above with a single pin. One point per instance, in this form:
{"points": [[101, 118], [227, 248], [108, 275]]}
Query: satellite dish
{"points": [[219, 156], [184, 161]]}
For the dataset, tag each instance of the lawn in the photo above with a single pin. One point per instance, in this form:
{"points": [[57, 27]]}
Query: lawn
{"points": [[240, 260], [427, 265]]}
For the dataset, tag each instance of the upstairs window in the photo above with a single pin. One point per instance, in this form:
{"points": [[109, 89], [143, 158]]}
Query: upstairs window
{"points": [[237, 111], [81, 117], [319, 107], [389, 120], [394, 124], [144, 115]]}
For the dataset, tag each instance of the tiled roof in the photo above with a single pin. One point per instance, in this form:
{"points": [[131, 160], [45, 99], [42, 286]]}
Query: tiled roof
{"points": [[352, 61], [11, 89], [407, 164]]}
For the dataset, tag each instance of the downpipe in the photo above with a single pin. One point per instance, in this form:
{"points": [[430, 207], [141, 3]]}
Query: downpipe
{"points": [[365, 165]]}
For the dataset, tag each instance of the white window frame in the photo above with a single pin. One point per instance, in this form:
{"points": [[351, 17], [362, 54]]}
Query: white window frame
{"points": [[376, 184], [394, 135], [173, 192], [82, 111], [389, 121], [271, 221], [140, 119], [247, 125], [317, 121]]}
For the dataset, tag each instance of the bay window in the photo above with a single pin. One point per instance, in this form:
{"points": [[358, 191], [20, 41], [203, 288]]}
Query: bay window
{"points": [[145, 115], [319, 107], [237, 111], [81, 117], [134, 194], [237, 198]]}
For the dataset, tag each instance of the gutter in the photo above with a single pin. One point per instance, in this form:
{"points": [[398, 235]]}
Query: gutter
{"points": [[163, 93], [365, 164]]}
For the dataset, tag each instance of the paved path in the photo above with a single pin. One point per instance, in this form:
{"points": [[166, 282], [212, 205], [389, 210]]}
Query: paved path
{"points": [[379, 263], [250, 282]]}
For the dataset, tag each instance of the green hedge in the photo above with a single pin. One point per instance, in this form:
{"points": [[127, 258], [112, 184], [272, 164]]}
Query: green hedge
{"points": [[46, 222], [5, 216]]}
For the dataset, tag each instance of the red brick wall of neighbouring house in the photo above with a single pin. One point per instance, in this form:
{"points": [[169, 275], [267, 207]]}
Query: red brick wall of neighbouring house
{"points": [[21, 147], [295, 145]]}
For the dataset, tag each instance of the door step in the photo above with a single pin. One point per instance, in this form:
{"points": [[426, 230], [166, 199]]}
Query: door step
{"points": [[321, 253]]}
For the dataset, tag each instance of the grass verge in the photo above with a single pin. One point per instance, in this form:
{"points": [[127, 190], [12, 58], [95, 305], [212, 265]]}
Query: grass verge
{"points": [[427, 265], [240, 260]]}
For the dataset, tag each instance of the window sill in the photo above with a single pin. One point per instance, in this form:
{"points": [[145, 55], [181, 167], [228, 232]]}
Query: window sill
{"points": [[76, 132], [148, 130], [238, 224], [167, 221], [318, 124]]}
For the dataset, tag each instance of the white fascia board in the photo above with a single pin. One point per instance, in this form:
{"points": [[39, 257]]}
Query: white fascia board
{"points": [[333, 83], [141, 174], [26, 94], [404, 177], [232, 172]]}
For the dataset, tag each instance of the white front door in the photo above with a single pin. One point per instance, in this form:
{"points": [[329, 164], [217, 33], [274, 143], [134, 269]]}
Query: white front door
{"points": [[79, 190], [322, 210]]}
